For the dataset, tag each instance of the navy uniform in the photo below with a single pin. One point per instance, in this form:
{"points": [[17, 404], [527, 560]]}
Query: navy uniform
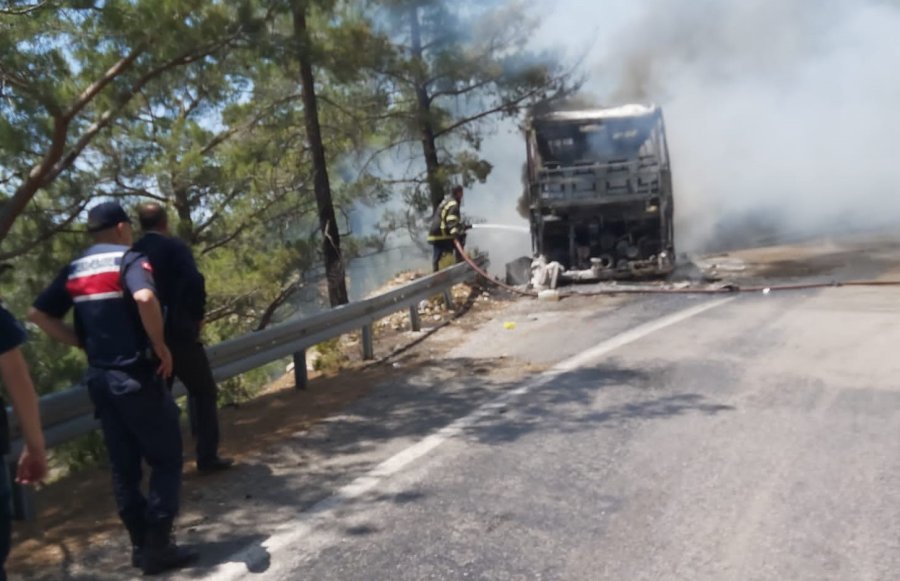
{"points": [[182, 292], [12, 335], [137, 414], [446, 226]]}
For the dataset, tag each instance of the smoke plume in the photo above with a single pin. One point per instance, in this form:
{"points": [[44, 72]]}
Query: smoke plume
{"points": [[782, 115]]}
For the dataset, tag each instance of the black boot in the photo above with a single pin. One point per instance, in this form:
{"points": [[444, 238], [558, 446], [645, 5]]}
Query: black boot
{"points": [[160, 551], [137, 531]]}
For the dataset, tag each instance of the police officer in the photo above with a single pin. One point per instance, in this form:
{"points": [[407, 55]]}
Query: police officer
{"points": [[33, 460], [118, 323], [182, 292], [447, 226]]}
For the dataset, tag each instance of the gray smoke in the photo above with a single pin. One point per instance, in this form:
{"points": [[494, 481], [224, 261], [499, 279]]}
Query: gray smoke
{"points": [[782, 115]]}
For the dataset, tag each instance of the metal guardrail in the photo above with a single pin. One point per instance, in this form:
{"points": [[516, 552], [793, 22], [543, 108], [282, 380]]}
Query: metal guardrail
{"points": [[68, 414]]}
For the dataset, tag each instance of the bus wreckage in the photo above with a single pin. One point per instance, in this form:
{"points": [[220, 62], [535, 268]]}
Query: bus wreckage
{"points": [[599, 195]]}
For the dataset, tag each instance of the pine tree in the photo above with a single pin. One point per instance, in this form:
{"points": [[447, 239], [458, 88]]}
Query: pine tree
{"points": [[457, 67]]}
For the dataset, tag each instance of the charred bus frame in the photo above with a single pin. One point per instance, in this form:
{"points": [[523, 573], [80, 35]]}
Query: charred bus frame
{"points": [[600, 192]]}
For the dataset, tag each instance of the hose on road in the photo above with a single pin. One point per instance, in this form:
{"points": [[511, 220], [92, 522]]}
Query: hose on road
{"points": [[724, 290]]}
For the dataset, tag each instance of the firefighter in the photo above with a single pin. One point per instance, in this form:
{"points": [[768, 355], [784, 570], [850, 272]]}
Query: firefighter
{"points": [[119, 324], [447, 226]]}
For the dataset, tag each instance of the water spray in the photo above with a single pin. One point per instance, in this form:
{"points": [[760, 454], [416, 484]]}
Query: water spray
{"points": [[504, 227]]}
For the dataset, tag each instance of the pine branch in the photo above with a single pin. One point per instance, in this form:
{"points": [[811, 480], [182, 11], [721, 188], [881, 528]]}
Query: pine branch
{"points": [[280, 299], [46, 235], [505, 106], [108, 77], [25, 10], [56, 160]]}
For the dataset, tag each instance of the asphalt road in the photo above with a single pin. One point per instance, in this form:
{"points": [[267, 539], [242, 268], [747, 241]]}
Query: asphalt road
{"points": [[660, 437], [672, 438]]}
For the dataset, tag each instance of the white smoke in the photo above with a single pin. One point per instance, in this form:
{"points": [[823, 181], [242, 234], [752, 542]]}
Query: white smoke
{"points": [[781, 111], [782, 115]]}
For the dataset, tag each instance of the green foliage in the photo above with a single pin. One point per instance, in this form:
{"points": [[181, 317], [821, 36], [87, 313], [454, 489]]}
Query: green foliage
{"points": [[197, 104], [69, 71], [81, 453], [331, 356], [245, 387], [455, 70]]}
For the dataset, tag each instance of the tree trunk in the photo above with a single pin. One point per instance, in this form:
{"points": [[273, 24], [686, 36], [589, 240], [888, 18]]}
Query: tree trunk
{"points": [[182, 203], [11, 208], [331, 240], [423, 113]]}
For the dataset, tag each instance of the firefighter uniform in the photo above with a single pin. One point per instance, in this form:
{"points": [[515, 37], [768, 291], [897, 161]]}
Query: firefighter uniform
{"points": [[446, 226], [137, 414]]}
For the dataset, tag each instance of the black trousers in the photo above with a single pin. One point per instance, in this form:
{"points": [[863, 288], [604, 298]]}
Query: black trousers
{"points": [[5, 516], [439, 249], [139, 420], [192, 368]]}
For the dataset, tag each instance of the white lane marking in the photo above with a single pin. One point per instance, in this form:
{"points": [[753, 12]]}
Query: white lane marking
{"points": [[634, 334], [289, 535]]}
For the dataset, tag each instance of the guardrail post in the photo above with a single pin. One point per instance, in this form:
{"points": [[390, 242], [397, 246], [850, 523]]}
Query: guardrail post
{"points": [[368, 349], [300, 376], [23, 506], [448, 300], [415, 321]]}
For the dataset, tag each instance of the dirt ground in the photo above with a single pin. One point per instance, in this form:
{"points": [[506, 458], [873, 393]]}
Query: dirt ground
{"points": [[77, 511]]}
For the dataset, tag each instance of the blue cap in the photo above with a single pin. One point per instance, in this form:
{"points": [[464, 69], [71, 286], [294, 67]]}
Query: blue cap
{"points": [[106, 215]]}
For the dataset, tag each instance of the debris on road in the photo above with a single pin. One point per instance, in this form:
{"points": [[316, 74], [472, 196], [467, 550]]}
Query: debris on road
{"points": [[549, 295]]}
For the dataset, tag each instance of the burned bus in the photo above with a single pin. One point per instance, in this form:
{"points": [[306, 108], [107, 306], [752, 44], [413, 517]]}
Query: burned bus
{"points": [[599, 192]]}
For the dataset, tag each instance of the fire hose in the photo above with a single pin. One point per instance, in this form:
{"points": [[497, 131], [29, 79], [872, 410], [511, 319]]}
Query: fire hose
{"points": [[726, 289]]}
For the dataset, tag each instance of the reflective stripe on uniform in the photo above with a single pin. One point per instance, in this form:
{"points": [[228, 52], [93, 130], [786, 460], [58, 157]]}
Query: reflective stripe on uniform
{"points": [[98, 297], [447, 218], [449, 223], [95, 277]]}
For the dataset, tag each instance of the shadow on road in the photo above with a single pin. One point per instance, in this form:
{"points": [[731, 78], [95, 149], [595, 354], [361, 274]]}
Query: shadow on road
{"points": [[605, 396], [235, 512], [249, 548]]}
